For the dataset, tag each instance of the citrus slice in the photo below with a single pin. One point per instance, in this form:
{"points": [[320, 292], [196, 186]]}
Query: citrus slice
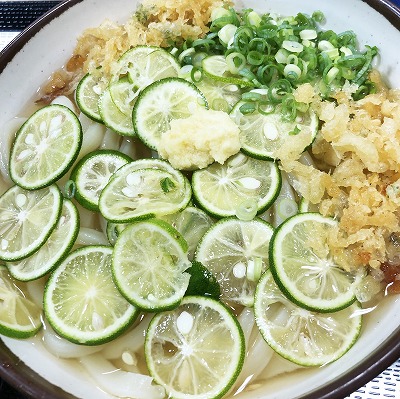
{"points": [[192, 223], [53, 250], [142, 193], [81, 301], [225, 190], [299, 335], [123, 95], [159, 103], [236, 253], [149, 261], [45, 147], [220, 96], [195, 351], [112, 116], [27, 218], [92, 173], [307, 206], [87, 96], [261, 134], [147, 64], [304, 267], [20, 317], [216, 67]]}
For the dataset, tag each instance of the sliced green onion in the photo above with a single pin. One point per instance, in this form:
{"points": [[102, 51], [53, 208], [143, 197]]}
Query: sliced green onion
{"points": [[247, 210], [265, 108], [325, 45], [198, 58], [281, 56], [292, 72], [186, 53], [196, 75], [318, 16], [252, 96], [255, 58], [69, 189], [308, 34], [253, 19], [220, 104], [278, 90], [289, 108], [254, 269], [292, 46], [331, 75], [227, 33], [235, 62], [247, 108]]}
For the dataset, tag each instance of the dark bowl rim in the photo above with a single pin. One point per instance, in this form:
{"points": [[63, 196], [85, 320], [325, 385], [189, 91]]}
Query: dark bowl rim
{"points": [[29, 383]]}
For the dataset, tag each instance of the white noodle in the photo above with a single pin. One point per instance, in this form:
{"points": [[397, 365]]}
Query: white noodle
{"points": [[92, 138], [120, 383], [88, 236], [4, 186], [7, 134], [103, 225], [257, 358], [66, 102], [36, 289], [129, 147], [85, 121], [131, 341], [246, 321], [87, 218], [278, 365], [62, 348], [305, 159], [111, 140]]}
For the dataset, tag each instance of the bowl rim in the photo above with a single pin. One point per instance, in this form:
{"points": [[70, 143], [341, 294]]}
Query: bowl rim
{"points": [[29, 383]]}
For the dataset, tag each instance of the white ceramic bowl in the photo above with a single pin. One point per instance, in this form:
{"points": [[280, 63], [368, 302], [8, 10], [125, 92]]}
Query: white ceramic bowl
{"points": [[46, 45]]}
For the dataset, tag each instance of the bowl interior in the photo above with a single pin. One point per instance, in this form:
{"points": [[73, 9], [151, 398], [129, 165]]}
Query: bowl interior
{"points": [[51, 47]]}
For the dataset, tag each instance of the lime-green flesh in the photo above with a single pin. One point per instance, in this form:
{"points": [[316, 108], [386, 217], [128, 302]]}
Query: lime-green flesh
{"points": [[215, 67], [192, 223], [45, 147], [305, 269], [27, 218], [301, 336], [138, 193], [87, 95], [92, 173], [232, 249], [222, 189], [149, 261], [81, 300], [262, 135], [53, 250], [112, 116], [20, 317], [159, 103], [195, 362]]}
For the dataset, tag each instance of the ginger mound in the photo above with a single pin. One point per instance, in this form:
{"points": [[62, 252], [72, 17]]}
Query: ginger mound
{"points": [[357, 152], [199, 140]]}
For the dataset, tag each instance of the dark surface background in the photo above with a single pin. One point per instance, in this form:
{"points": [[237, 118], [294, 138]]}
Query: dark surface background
{"points": [[15, 16]]}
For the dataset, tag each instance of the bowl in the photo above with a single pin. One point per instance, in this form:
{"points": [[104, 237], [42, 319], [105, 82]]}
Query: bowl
{"points": [[47, 44]]}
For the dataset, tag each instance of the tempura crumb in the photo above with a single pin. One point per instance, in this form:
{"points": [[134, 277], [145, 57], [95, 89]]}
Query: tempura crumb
{"points": [[357, 152]]}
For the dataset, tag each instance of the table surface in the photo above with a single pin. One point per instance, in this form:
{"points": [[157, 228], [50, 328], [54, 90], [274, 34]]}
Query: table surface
{"points": [[13, 19]]}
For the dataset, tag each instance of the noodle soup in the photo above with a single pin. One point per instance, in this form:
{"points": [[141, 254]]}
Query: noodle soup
{"points": [[272, 378]]}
